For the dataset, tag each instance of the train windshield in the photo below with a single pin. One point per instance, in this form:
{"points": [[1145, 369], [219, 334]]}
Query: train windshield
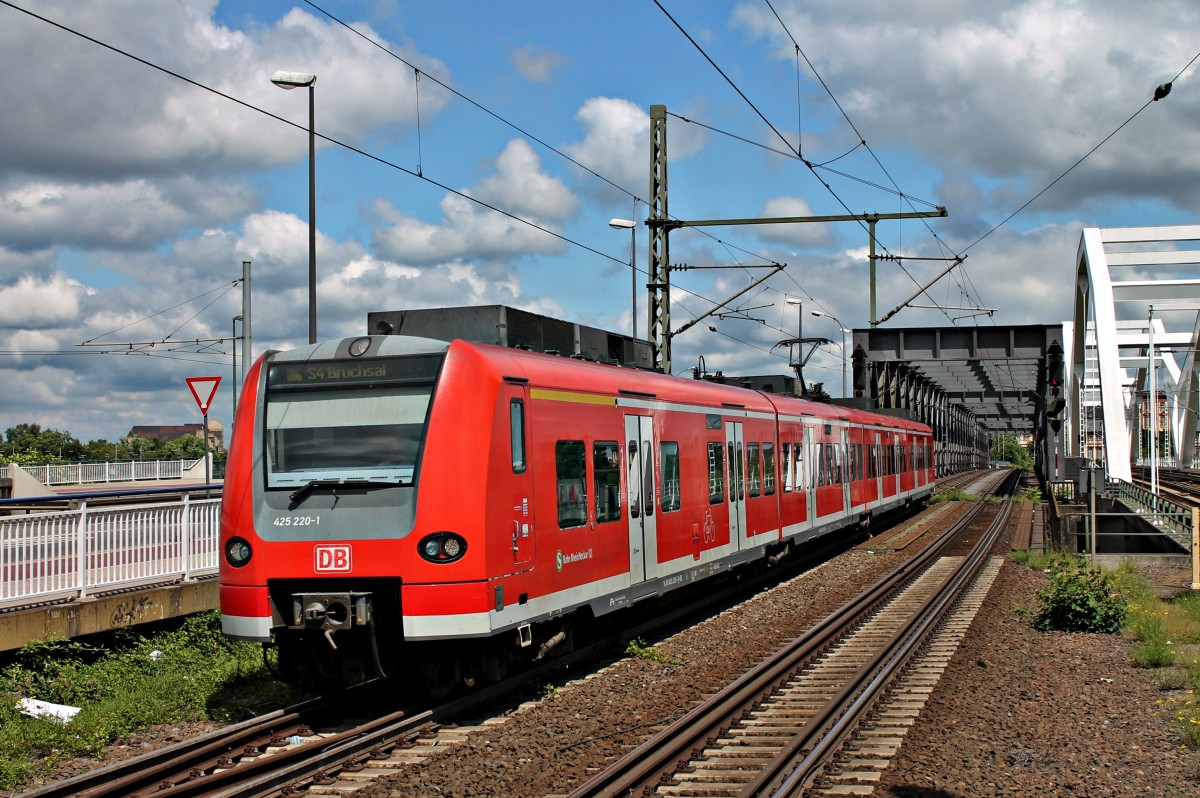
{"points": [[357, 421]]}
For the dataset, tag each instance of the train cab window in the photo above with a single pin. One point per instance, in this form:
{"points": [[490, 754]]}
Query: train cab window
{"points": [[716, 473], [768, 453], [336, 420], [570, 463], [753, 469], [516, 415], [669, 468]]}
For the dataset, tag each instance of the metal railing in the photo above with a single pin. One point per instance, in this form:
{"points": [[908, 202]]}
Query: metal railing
{"points": [[70, 554], [108, 471], [1169, 517]]}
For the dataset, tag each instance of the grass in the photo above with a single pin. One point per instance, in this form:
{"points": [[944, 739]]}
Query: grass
{"points": [[189, 674], [1164, 637], [954, 495], [639, 649]]}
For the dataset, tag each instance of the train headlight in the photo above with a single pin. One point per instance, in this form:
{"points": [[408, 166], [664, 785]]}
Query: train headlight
{"points": [[442, 547], [237, 552]]}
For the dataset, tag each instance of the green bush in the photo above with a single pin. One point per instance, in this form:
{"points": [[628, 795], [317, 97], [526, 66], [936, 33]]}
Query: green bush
{"points": [[1079, 598], [188, 674]]}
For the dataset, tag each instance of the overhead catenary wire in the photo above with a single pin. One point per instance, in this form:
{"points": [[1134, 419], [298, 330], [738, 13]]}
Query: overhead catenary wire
{"points": [[518, 128], [376, 158], [783, 138], [1159, 93]]}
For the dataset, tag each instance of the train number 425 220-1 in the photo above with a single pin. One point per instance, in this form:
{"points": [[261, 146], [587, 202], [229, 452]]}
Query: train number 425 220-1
{"points": [[298, 520]]}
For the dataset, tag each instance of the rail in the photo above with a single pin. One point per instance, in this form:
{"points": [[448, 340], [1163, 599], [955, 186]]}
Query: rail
{"points": [[61, 555]]}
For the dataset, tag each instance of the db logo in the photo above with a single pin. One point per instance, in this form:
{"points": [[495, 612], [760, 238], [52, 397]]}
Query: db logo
{"points": [[332, 558]]}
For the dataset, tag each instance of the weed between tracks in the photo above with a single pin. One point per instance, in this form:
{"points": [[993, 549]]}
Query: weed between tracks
{"points": [[129, 684], [1164, 633]]}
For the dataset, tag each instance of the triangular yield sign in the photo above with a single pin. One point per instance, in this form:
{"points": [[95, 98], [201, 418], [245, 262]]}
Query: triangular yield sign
{"points": [[203, 390]]}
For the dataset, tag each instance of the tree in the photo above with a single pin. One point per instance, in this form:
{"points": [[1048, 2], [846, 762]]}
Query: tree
{"points": [[185, 447], [41, 445], [101, 449], [1006, 448], [141, 448]]}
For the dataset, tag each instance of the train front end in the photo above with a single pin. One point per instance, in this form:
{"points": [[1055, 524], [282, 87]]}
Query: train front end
{"points": [[319, 520]]}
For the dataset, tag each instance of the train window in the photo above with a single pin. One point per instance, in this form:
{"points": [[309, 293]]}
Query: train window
{"points": [[737, 474], [754, 469], [669, 457], [648, 477], [516, 415], [570, 463], [800, 472], [768, 452], [830, 465], [788, 484], [716, 473], [606, 477]]}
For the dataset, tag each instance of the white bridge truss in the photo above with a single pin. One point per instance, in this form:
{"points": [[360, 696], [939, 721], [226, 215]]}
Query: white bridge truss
{"points": [[1130, 351]]}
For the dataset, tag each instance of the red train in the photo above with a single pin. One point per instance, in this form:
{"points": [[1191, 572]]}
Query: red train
{"points": [[397, 504]]}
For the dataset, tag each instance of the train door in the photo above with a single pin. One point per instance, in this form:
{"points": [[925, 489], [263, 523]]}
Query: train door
{"points": [[736, 445], [877, 462], [847, 468], [898, 462], [810, 473], [521, 482], [639, 486]]}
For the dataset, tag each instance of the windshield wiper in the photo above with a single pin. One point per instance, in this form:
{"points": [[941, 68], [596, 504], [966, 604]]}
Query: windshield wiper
{"points": [[350, 482]]}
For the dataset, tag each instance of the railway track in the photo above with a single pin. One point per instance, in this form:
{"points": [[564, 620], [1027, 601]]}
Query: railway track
{"points": [[774, 731], [314, 749]]}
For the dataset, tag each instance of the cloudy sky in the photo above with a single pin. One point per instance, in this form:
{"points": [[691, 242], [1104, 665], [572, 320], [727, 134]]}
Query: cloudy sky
{"points": [[473, 152]]}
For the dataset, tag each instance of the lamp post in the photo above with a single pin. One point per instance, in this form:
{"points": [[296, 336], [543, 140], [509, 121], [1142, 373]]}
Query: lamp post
{"points": [[843, 330], [236, 384], [631, 226], [297, 80], [1151, 364]]}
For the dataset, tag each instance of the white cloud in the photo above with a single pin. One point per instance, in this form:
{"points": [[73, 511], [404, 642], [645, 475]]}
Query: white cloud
{"points": [[468, 229], [536, 63], [1016, 90], [801, 234], [520, 186], [35, 304]]}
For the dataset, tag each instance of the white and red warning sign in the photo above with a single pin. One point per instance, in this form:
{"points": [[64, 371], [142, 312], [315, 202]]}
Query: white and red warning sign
{"points": [[203, 390]]}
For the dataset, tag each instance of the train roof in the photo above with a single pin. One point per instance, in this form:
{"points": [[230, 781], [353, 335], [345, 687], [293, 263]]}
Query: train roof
{"points": [[556, 371], [570, 373]]}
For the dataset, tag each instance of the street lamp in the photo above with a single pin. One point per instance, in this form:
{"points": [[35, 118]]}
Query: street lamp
{"points": [[843, 329], [302, 80], [631, 226]]}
